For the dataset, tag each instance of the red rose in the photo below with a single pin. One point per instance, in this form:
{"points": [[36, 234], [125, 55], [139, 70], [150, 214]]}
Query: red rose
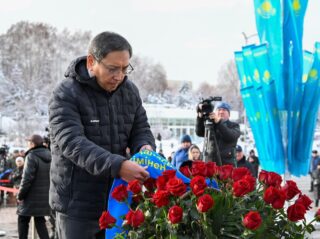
{"points": [[161, 198], [135, 218], [251, 180], [135, 186], [275, 197], [305, 201], [225, 171], [212, 169], [106, 220], [176, 186], [199, 168], [148, 194], [273, 179], [241, 188], [169, 173], [204, 203], [291, 189], [296, 212], [198, 185], [317, 215], [175, 214], [263, 176], [239, 173], [252, 220], [150, 184], [161, 183], [137, 198], [120, 193], [185, 170]]}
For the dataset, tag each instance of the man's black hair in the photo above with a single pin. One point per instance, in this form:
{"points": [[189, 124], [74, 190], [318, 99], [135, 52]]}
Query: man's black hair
{"points": [[106, 42]]}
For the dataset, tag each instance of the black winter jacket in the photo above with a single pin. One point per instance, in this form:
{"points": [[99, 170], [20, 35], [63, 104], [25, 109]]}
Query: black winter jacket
{"points": [[226, 133], [34, 187], [90, 130]]}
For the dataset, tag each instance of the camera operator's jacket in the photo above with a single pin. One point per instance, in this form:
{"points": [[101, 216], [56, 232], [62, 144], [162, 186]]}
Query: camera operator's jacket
{"points": [[226, 133], [90, 130]]}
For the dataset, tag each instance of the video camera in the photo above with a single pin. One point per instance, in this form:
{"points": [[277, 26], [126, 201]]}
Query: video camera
{"points": [[208, 105]]}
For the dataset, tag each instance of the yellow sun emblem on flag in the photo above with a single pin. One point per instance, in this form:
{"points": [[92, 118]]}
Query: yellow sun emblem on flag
{"points": [[266, 10], [313, 74], [296, 6], [266, 76], [256, 76]]}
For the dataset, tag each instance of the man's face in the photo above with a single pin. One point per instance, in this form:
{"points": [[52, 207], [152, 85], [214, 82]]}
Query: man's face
{"points": [[239, 155], [223, 113], [185, 145], [110, 71]]}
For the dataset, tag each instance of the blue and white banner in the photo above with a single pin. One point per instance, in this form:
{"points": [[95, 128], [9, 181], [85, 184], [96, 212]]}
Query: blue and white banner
{"points": [[269, 26]]}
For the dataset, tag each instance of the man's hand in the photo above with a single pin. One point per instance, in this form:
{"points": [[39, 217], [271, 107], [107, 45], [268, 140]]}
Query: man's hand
{"points": [[130, 170], [215, 117], [146, 147]]}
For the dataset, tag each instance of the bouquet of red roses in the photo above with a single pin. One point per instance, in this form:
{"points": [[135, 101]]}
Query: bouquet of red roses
{"points": [[242, 207]]}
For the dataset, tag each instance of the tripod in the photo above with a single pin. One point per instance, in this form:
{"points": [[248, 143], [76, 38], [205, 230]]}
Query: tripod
{"points": [[211, 151]]}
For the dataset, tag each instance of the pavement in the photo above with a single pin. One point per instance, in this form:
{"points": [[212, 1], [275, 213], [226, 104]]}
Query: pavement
{"points": [[8, 217]]}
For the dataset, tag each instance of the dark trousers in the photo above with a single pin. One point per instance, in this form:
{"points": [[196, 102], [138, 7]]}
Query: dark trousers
{"points": [[40, 223], [75, 228]]}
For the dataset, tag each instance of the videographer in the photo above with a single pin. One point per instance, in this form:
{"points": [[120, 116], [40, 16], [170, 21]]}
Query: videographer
{"points": [[220, 134]]}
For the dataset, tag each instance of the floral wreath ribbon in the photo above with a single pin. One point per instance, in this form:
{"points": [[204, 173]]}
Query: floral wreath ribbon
{"points": [[156, 165]]}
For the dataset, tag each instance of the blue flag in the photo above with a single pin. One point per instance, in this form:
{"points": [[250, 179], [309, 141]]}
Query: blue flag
{"points": [[269, 26]]}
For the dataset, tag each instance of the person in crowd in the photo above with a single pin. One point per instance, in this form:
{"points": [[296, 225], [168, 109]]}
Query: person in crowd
{"points": [[254, 160], [16, 174], [11, 162], [314, 168], [221, 134], [194, 153], [161, 153], [94, 115], [241, 160], [33, 195], [181, 154]]}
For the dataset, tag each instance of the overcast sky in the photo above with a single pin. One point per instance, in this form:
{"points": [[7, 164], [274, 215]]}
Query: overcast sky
{"points": [[192, 39]]}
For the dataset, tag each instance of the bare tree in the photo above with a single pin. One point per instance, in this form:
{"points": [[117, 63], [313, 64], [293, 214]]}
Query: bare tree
{"points": [[33, 58], [151, 77], [228, 86]]}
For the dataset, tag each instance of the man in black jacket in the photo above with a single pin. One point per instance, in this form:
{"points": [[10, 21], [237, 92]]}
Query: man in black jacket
{"points": [[95, 114], [33, 196], [221, 135]]}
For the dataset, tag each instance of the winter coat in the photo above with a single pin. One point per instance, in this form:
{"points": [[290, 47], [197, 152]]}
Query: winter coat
{"points": [[16, 176], [226, 134], [34, 187], [179, 157], [244, 163], [90, 130]]}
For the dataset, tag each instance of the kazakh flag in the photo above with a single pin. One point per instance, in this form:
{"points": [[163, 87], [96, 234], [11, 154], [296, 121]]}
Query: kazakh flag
{"points": [[309, 112], [269, 26], [276, 152], [249, 97]]}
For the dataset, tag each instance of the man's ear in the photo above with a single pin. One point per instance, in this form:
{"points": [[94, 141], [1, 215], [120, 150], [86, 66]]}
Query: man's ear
{"points": [[90, 62]]}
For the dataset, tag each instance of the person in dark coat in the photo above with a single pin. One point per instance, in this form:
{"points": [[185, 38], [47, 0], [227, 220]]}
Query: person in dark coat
{"points": [[241, 160], [16, 174], [95, 114], [221, 134], [33, 195], [254, 160]]}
